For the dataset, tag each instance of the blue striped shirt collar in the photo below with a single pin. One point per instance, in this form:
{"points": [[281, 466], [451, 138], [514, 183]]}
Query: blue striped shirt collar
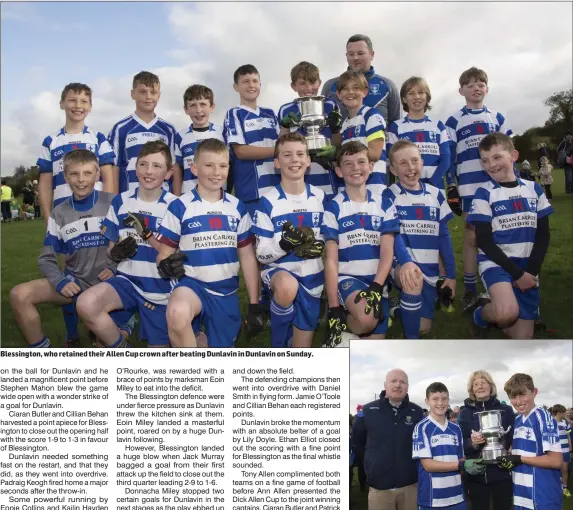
{"points": [[160, 200], [84, 131], [197, 197], [142, 122], [468, 111], [404, 191], [282, 193], [369, 197]]}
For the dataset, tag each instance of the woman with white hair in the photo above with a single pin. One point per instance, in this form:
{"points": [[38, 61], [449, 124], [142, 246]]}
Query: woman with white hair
{"points": [[493, 483]]}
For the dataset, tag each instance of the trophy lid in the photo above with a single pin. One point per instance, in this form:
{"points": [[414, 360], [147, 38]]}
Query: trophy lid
{"points": [[309, 98]]}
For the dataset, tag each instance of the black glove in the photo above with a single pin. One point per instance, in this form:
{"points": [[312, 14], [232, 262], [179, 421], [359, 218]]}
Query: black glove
{"points": [[291, 237], [123, 250], [172, 266], [334, 121], [336, 325], [137, 222], [373, 296], [445, 296], [454, 200], [309, 250], [290, 120], [255, 321], [509, 461]]}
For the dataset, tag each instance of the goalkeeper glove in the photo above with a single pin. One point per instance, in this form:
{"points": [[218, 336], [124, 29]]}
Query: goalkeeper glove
{"points": [[509, 461], [123, 250], [137, 222], [172, 266], [473, 466], [454, 200], [334, 121], [255, 321], [328, 153], [291, 237], [373, 297], [309, 249], [289, 121], [336, 325]]}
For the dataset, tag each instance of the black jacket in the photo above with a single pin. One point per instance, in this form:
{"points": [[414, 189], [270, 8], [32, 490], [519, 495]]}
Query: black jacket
{"points": [[384, 440], [470, 421]]}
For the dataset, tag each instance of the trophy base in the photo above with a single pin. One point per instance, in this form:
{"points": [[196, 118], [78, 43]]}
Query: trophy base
{"points": [[490, 461], [489, 456], [315, 143]]}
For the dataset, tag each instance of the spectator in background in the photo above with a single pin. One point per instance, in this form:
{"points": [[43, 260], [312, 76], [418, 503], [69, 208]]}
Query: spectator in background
{"points": [[453, 417], [558, 411], [541, 152], [545, 177], [383, 437], [358, 458], [494, 483], [564, 159], [37, 213], [525, 171], [7, 196]]}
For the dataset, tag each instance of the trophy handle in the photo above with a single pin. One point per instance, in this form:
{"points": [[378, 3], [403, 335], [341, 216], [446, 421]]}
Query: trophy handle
{"points": [[505, 431]]}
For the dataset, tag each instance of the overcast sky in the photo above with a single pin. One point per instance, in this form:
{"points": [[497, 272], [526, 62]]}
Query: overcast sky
{"points": [[524, 47], [452, 361]]}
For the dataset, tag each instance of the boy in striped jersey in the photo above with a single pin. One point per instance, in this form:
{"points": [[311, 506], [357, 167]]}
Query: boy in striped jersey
{"points": [[130, 134], [466, 128], [199, 104], [511, 221], [438, 446], [131, 222], [212, 231], [424, 236], [429, 135], [305, 81], [558, 411], [364, 124], [358, 228], [536, 456], [289, 244], [73, 231]]}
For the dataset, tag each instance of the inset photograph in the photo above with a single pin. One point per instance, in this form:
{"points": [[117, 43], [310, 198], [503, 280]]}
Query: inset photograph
{"points": [[467, 425]]}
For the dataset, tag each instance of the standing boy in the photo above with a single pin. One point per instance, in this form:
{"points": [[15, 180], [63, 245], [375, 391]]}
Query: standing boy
{"points": [[130, 134], [511, 221], [536, 457], [466, 128]]}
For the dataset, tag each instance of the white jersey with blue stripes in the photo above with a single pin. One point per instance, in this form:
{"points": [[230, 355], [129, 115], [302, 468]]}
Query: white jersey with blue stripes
{"points": [[535, 435], [357, 227], [368, 125], [429, 135], [209, 233], [432, 440], [141, 269], [257, 128], [421, 213], [187, 141], [274, 209], [564, 434], [513, 214], [129, 135], [466, 128], [55, 147]]}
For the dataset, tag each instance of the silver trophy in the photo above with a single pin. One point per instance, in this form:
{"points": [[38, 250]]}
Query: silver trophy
{"points": [[492, 430], [312, 120]]}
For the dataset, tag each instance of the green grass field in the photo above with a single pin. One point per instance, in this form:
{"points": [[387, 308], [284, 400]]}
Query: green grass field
{"points": [[21, 243]]}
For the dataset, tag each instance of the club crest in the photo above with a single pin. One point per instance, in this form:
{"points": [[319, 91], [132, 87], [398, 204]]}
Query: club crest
{"points": [[492, 127], [315, 219], [357, 131], [433, 213], [432, 136], [376, 222], [374, 88], [233, 222], [533, 204]]}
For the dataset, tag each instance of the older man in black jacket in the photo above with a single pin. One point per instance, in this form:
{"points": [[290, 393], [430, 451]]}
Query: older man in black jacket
{"points": [[382, 436]]}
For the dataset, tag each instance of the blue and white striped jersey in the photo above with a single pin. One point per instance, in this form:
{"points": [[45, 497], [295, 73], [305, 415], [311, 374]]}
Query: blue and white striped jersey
{"points": [[209, 233], [187, 141], [432, 139], [421, 213], [274, 209], [259, 128], [55, 147], [316, 175], [444, 443], [129, 135], [141, 269], [466, 128], [513, 214], [533, 436], [368, 125], [564, 434], [357, 228]]}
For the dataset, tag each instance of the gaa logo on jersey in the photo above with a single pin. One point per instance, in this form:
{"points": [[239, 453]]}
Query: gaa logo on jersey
{"points": [[315, 219], [375, 88], [233, 222], [433, 213], [432, 136], [376, 222]]}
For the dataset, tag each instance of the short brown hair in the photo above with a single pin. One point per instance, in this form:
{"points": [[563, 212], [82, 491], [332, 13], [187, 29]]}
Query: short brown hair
{"points": [[289, 137], [210, 145], [412, 82], [398, 146], [196, 92], [304, 71], [558, 408], [473, 73], [145, 78], [489, 141], [156, 147], [349, 149], [79, 157], [358, 38], [518, 384], [78, 88], [350, 76]]}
